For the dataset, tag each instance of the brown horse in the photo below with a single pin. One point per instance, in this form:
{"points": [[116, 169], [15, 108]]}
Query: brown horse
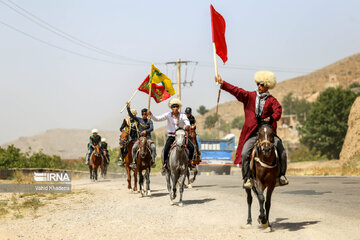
{"points": [[196, 160], [143, 162], [125, 141], [264, 169], [96, 161]]}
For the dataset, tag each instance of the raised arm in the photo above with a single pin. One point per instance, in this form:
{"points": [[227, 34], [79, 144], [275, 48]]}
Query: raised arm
{"points": [[240, 94], [132, 115], [160, 118]]}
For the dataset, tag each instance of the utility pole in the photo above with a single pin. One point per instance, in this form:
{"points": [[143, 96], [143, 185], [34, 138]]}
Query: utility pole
{"points": [[179, 78], [178, 72]]}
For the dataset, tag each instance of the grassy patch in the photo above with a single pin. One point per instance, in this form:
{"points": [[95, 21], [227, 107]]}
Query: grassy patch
{"points": [[33, 203]]}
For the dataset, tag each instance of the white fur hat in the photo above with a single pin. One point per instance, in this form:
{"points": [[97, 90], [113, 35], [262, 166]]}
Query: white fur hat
{"points": [[175, 101], [266, 77], [94, 131], [133, 111], [103, 139]]}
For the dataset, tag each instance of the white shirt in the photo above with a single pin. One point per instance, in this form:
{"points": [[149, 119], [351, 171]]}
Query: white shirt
{"points": [[172, 123]]}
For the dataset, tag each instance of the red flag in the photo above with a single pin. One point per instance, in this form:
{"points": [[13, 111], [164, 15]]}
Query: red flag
{"points": [[158, 92], [218, 33]]}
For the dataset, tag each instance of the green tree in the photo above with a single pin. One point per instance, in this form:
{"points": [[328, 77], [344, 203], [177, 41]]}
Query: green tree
{"points": [[293, 105], [325, 127], [202, 110], [354, 85], [238, 122], [210, 121]]}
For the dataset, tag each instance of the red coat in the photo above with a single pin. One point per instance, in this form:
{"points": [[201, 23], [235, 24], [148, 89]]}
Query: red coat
{"points": [[271, 108]]}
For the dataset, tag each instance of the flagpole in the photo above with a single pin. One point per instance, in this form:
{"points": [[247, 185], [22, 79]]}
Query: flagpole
{"points": [[216, 74], [130, 99], [150, 87]]}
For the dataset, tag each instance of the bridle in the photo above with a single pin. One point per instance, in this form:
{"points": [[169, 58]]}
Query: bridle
{"points": [[123, 141]]}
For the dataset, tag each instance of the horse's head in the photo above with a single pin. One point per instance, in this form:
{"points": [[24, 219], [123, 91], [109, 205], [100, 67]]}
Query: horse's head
{"points": [[143, 145], [266, 139], [97, 151], [124, 138], [180, 137]]}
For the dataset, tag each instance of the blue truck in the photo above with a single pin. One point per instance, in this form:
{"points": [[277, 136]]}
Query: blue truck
{"points": [[217, 154]]}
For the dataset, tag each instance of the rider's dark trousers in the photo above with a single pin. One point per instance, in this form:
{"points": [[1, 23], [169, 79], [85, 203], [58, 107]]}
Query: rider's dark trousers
{"points": [[248, 147], [169, 142]]}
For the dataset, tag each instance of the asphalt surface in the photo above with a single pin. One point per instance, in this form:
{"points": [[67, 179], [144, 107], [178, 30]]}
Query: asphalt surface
{"points": [[337, 195]]}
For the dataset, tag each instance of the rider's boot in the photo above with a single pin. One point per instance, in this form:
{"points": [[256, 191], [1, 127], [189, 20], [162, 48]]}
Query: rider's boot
{"points": [[164, 165], [248, 181], [281, 181]]}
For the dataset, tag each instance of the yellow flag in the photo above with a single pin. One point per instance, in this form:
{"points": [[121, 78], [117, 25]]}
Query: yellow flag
{"points": [[157, 77]]}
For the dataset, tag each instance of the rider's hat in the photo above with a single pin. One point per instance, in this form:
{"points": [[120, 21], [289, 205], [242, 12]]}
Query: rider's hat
{"points": [[175, 101], [133, 111], [94, 131], [103, 139], [266, 77]]}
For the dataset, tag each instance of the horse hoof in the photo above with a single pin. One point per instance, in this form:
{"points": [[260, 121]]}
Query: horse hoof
{"points": [[189, 186], [181, 204], [264, 225], [248, 225], [171, 203], [268, 229], [141, 195], [149, 193]]}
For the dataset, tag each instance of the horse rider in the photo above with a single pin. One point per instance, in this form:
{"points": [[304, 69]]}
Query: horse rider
{"points": [[259, 107], [175, 119], [188, 113], [104, 149], [145, 128], [95, 140], [132, 127]]}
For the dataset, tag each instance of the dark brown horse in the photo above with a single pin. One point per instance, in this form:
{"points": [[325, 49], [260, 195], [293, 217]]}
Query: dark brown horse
{"points": [[96, 161], [264, 169], [143, 162], [125, 141], [196, 159]]}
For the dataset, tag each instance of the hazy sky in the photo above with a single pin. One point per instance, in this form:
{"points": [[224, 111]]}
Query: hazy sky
{"points": [[43, 87]]}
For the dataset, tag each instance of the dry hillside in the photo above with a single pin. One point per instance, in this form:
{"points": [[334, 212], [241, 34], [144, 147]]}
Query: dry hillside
{"points": [[351, 146], [66, 143], [341, 73]]}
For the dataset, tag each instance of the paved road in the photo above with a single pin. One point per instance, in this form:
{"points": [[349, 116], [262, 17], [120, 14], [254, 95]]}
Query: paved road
{"points": [[216, 208], [338, 195]]}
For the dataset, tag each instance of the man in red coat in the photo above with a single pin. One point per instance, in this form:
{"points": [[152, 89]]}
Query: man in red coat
{"points": [[259, 106]]}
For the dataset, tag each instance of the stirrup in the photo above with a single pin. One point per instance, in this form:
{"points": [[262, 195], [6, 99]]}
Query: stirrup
{"points": [[281, 181], [133, 165]]}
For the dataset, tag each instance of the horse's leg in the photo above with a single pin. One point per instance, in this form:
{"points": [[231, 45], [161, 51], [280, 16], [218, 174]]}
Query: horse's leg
{"points": [[90, 168], [147, 177], [128, 177], [181, 190], [169, 185], [269, 192], [260, 195], [174, 179], [141, 183], [135, 180], [195, 173], [249, 202]]}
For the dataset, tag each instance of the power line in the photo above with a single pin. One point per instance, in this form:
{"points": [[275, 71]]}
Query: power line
{"points": [[44, 24], [251, 68], [61, 48]]}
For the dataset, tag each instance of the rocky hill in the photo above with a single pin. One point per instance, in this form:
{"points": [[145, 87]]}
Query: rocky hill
{"points": [[351, 146]]}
